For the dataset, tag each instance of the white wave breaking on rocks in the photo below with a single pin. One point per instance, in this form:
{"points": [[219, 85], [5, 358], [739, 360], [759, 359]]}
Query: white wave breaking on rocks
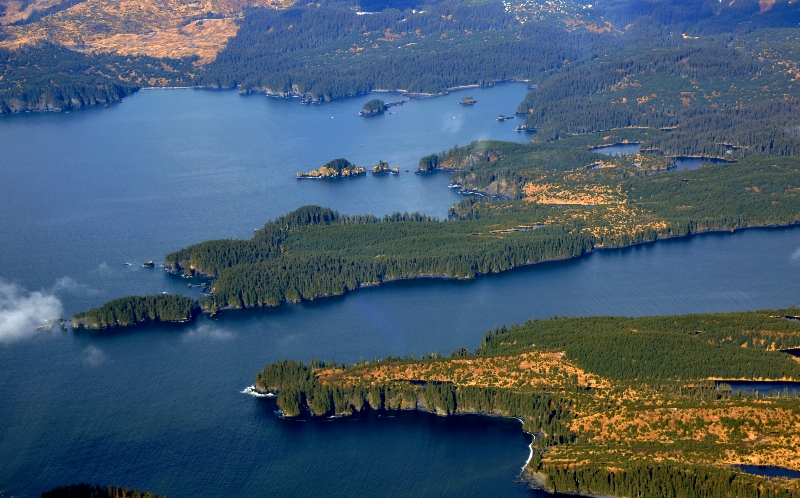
{"points": [[252, 391]]}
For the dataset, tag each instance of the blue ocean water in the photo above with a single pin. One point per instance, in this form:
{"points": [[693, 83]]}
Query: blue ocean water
{"points": [[160, 407], [86, 192]]}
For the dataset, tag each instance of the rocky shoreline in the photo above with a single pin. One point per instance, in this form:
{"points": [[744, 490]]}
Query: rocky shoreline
{"points": [[17, 106]]}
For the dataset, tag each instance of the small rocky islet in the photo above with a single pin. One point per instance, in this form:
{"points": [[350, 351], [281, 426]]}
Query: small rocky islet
{"points": [[338, 168]]}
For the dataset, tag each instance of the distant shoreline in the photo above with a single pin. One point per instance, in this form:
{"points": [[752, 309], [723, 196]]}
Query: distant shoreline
{"points": [[267, 92], [412, 95]]}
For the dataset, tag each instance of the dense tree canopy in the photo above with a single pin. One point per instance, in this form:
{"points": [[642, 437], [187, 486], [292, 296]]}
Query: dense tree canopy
{"points": [[136, 309], [49, 77]]}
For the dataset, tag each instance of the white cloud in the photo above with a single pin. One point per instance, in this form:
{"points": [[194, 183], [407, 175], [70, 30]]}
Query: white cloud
{"points": [[67, 284], [93, 356], [207, 332], [21, 312], [102, 268], [796, 254], [453, 124]]}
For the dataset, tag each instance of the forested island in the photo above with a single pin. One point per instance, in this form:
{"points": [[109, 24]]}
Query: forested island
{"points": [[374, 106], [616, 406], [338, 168], [383, 168], [577, 200]]}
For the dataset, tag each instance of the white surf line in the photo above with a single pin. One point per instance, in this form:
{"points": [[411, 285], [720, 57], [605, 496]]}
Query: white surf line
{"points": [[530, 446], [251, 390], [530, 457]]}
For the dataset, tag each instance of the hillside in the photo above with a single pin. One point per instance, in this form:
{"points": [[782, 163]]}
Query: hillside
{"points": [[338, 48], [163, 29]]}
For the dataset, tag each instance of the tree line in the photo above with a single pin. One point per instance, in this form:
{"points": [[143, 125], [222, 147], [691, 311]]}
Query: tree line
{"points": [[84, 490], [307, 49]]}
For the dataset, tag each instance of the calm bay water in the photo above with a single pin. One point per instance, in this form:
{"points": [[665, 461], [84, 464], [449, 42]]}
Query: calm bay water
{"points": [[160, 408], [86, 192], [680, 162], [619, 149]]}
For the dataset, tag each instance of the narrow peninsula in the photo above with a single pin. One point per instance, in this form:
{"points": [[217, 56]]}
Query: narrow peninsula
{"points": [[616, 406], [578, 201], [133, 310]]}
